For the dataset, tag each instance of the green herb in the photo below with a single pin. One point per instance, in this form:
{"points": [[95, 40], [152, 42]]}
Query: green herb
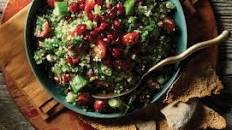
{"points": [[39, 56], [61, 8], [129, 6]]}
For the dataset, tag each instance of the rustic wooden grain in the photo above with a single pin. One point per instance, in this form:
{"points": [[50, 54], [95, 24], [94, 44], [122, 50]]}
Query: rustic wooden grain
{"points": [[11, 118]]}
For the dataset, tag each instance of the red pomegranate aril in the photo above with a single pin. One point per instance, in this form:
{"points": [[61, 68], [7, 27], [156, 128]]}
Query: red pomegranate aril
{"points": [[75, 60], [89, 5], [120, 8], [106, 62], [106, 40], [116, 52], [93, 33], [73, 7], [80, 29], [81, 4], [109, 6], [83, 99], [90, 16], [153, 85], [89, 38], [72, 60], [111, 36], [45, 30], [169, 25], [103, 18], [100, 49], [97, 18], [98, 2], [121, 65], [51, 3], [66, 78], [112, 13], [99, 105], [130, 38], [117, 24], [103, 26]]}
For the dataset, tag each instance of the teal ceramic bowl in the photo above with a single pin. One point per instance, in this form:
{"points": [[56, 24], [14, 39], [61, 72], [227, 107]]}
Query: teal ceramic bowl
{"points": [[56, 91]]}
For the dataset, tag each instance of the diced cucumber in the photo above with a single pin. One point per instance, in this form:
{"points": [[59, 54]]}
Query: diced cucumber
{"points": [[61, 8], [77, 83], [117, 104]]}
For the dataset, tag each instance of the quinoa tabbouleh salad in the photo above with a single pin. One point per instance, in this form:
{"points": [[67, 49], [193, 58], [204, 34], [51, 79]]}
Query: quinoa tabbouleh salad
{"points": [[105, 46]]}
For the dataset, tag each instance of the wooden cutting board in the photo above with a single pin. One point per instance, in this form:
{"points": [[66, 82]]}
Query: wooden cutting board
{"points": [[67, 119]]}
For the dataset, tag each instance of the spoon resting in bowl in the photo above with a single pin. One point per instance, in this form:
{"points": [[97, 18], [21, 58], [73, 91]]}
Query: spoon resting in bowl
{"points": [[170, 60]]}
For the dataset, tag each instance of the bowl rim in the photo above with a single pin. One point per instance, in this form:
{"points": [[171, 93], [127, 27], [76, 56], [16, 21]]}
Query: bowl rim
{"points": [[96, 114]]}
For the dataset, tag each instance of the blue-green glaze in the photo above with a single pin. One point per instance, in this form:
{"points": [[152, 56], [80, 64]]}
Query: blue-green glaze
{"points": [[56, 91]]}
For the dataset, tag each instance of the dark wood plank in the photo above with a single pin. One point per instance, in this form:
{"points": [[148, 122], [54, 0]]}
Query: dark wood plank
{"points": [[223, 12]]}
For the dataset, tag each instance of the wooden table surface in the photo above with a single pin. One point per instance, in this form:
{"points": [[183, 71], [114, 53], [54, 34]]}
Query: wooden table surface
{"points": [[12, 119]]}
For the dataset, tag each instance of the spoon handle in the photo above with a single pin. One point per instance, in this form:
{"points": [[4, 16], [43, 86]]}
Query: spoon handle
{"points": [[196, 47]]}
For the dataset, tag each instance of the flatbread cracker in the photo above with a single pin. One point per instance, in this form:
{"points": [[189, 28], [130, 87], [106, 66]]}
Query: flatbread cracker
{"points": [[207, 118], [198, 80]]}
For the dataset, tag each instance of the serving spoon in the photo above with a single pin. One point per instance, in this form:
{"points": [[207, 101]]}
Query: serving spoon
{"points": [[169, 60]]}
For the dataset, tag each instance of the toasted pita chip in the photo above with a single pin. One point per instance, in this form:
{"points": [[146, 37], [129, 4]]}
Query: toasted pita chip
{"points": [[207, 118], [198, 80]]}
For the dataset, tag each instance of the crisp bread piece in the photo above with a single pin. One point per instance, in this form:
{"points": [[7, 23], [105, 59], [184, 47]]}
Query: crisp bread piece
{"points": [[211, 119], [198, 80], [178, 114], [206, 118]]}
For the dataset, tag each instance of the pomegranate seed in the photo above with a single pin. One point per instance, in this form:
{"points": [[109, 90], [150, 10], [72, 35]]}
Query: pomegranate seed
{"points": [[98, 2], [90, 15], [121, 65], [45, 31], [109, 6], [97, 19], [112, 13], [73, 7], [66, 78], [169, 25], [117, 24], [130, 38], [82, 6], [97, 29], [120, 9], [89, 38], [106, 40], [100, 49], [153, 85], [51, 3], [83, 99], [80, 29], [99, 105], [116, 52], [111, 36], [93, 33], [106, 62], [103, 18], [103, 26], [72, 60]]}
